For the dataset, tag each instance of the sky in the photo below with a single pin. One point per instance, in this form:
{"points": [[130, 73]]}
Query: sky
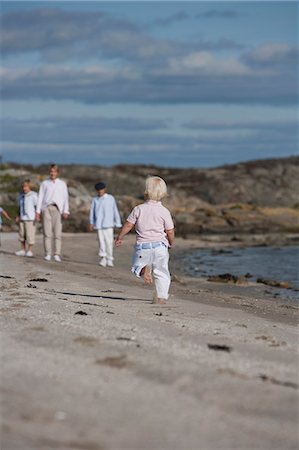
{"points": [[172, 83]]}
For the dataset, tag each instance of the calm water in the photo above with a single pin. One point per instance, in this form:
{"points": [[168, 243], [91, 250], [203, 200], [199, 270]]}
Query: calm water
{"points": [[275, 263]]}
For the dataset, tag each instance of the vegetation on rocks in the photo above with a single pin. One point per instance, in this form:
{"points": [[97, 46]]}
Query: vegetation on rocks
{"points": [[256, 196]]}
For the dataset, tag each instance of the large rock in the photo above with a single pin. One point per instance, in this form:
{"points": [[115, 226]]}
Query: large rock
{"points": [[257, 196]]}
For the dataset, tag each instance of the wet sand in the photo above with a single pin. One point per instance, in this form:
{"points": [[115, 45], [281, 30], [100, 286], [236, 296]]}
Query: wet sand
{"points": [[88, 363]]}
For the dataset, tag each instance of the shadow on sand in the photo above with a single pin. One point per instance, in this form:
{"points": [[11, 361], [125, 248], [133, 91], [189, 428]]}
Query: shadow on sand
{"points": [[101, 297]]}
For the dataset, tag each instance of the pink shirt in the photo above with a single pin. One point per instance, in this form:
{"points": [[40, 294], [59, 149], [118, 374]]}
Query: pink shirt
{"points": [[151, 220]]}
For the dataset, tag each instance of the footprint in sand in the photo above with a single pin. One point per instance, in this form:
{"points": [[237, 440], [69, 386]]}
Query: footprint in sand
{"points": [[272, 342], [86, 340], [114, 361], [37, 328]]}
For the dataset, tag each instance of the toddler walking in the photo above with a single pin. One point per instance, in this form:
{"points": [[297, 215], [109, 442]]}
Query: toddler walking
{"points": [[154, 236], [103, 217], [26, 219]]}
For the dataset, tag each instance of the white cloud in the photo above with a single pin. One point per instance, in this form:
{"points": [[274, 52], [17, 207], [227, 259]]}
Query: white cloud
{"points": [[135, 66], [269, 52], [206, 63], [277, 57]]}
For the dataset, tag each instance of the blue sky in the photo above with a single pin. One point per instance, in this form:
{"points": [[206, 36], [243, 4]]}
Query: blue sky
{"points": [[183, 84]]}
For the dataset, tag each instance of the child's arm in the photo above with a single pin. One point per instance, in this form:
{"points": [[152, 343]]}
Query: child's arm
{"points": [[39, 203], [117, 219], [125, 230], [18, 217], [91, 216], [170, 236], [6, 215]]}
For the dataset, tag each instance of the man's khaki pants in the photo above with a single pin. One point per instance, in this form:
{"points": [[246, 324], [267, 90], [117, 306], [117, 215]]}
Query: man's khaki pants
{"points": [[52, 223]]}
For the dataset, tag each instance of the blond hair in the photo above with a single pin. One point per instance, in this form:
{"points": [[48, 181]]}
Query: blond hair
{"points": [[155, 188]]}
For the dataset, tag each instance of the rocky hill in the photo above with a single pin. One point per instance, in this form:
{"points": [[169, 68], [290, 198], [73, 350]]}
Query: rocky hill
{"points": [[256, 196]]}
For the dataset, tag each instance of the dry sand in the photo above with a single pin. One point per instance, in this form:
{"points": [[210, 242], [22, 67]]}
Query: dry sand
{"points": [[125, 374]]}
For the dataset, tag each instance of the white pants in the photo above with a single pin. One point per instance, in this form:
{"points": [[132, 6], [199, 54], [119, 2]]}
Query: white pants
{"points": [[157, 258], [105, 238]]}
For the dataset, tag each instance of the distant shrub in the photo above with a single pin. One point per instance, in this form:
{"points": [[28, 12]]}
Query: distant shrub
{"points": [[7, 178], [236, 206], [9, 183], [290, 229]]}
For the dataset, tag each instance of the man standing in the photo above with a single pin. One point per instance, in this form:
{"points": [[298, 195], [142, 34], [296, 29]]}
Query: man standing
{"points": [[53, 202]]}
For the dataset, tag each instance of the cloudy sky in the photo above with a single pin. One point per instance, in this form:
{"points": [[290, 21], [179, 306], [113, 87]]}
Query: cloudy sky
{"points": [[184, 84]]}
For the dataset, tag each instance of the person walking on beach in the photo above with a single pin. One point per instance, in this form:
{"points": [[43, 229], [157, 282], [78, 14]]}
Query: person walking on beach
{"points": [[154, 236], [26, 219], [103, 217], [53, 202]]}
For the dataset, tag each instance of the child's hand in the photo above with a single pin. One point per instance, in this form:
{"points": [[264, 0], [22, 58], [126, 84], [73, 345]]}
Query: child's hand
{"points": [[90, 227], [125, 229], [17, 219], [37, 217]]}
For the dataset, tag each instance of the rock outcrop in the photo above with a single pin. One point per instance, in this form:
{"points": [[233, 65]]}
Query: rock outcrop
{"points": [[257, 196]]}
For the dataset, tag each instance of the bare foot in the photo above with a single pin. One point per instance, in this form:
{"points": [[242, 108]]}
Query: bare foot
{"points": [[147, 275], [158, 300]]}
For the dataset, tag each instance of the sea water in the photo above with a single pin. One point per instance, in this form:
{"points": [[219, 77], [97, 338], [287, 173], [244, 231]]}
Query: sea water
{"points": [[273, 263]]}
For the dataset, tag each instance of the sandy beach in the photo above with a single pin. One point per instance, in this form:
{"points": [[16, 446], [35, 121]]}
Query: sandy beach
{"points": [[87, 362]]}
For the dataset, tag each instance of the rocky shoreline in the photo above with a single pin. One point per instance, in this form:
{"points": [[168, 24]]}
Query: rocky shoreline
{"points": [[258, 197], [213, 248]]}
